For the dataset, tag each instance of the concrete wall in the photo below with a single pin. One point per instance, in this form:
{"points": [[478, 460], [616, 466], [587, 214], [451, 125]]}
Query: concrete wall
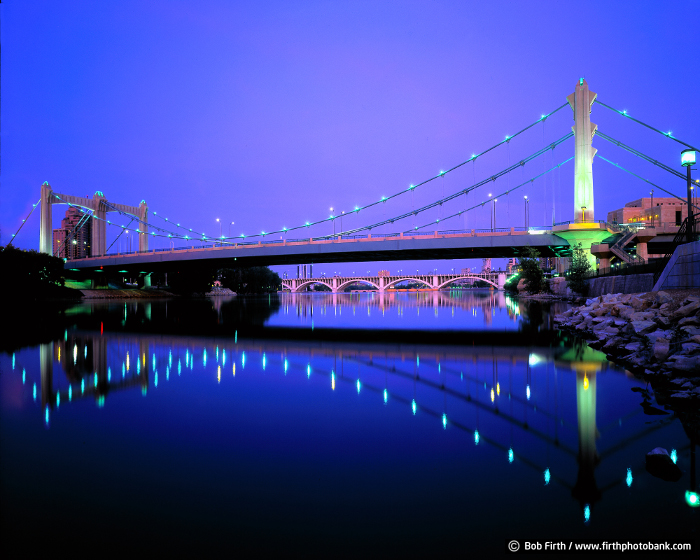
{"points": [[629, 284], [683, 270]]}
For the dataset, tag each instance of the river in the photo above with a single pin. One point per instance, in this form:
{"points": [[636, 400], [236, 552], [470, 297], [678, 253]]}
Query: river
{"points": [[409, 422]]}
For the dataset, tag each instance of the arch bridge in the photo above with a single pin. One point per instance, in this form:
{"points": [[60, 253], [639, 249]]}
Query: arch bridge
{"points": [[430, 281]]}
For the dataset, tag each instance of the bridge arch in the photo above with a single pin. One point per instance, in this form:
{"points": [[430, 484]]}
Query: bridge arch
{"points": [[468, 277], [399, 280], [306, 283], [342, 286]]}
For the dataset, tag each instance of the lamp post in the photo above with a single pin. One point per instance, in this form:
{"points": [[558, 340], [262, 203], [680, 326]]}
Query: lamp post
{"points": [[333, 220], [491, 211], [220, 232], [229, 229], [583, 214], [652, 207], [688, 159], [527, 202]]}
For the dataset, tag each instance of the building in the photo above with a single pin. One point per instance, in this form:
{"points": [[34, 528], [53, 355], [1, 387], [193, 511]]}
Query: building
{"points": [[71, 241], [651, 211], [383, 273]]}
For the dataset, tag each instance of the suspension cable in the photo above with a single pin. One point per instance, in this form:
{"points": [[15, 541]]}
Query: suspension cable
{"points": [[481, 204], [383, 199], [9, 244], [645, 180], [642, 156], [666, 134]]}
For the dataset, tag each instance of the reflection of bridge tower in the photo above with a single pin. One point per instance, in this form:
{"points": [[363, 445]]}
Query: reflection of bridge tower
{"points": [[99, 206], [586, 490]]}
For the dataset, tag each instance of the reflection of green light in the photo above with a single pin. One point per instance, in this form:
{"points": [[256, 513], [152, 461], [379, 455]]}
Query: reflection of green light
{"points": [[587, 513], [235, 338], [286, 366], [628, 478], [13, 359], [179, 366], [170, 358], [82, 385], [527, 392], [95, 379], [34, 391], [547, 476], [510, 455], [204, 358], [58, 400], [358, 386], [109, 374], [444, 421], [243, 360], [692, 498], [386, 396], [413, 406], [167, 373], [155, 379], [417, 360], [70, 392], [144, 391], [674, 456], [476, 437], [223, 357], [154, 361], [46, 415], [308, 370], [24, 375], [264, 361]]}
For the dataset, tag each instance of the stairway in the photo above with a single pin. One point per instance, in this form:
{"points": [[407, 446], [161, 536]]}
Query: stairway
{"points": [[618, 249]]}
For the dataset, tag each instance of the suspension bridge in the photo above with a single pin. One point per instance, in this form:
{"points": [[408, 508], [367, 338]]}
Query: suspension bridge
{"points": [[415, 237]]}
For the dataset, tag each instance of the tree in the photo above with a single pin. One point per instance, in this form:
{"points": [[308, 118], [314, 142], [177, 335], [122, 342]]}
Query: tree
{"points": [[250, 280], [531, 272], [580, 267]]}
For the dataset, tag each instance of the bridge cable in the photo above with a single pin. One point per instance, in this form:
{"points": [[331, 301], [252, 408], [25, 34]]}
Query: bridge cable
{"points": [[666, 134], [642, 156], [22, 224], [459, 193], [384, 198], [645, 180], [481, 204]]}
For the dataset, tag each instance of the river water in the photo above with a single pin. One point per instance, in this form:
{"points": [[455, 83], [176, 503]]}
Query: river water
{"points": [[413, 422]]}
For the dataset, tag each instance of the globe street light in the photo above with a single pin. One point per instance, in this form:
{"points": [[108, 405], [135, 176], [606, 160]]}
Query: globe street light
{"points": [[688, 159], [333, 219]]}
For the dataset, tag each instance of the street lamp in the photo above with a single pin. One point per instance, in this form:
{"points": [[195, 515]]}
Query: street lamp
{"points": [[688, 159], [652, 207], [527, 202], [220, 233], [583, 214], [333, 219], [229, 228]]}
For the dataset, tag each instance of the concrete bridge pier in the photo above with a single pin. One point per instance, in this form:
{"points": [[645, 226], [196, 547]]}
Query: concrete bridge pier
{"points": [[501, 281]]}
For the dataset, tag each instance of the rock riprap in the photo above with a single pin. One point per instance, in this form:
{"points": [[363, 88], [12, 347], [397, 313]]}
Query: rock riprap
{"points": [[654, 333]]}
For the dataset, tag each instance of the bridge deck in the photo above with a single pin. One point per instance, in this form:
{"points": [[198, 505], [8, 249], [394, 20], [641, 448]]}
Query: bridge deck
{"points": [[395, 247]]}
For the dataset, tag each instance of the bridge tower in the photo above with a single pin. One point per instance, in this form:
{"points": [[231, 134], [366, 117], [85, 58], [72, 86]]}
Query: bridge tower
{"points": [[584, 229]]}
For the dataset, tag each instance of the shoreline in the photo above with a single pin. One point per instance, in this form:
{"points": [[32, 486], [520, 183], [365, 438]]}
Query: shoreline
{"points": [[655, 335]]}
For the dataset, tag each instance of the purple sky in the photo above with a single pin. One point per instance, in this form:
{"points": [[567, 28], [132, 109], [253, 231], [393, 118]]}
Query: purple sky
{"points": [[270, 113]]}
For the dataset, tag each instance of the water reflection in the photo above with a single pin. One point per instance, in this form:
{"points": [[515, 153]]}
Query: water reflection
{"points": [[517, 400]]}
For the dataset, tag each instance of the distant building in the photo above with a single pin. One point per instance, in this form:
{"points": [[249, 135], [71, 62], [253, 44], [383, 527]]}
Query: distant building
{"points": [[466, 271], [512, 266], [669, 211], [486, 265], [383, 273], [71, 241], [547, 263]]}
